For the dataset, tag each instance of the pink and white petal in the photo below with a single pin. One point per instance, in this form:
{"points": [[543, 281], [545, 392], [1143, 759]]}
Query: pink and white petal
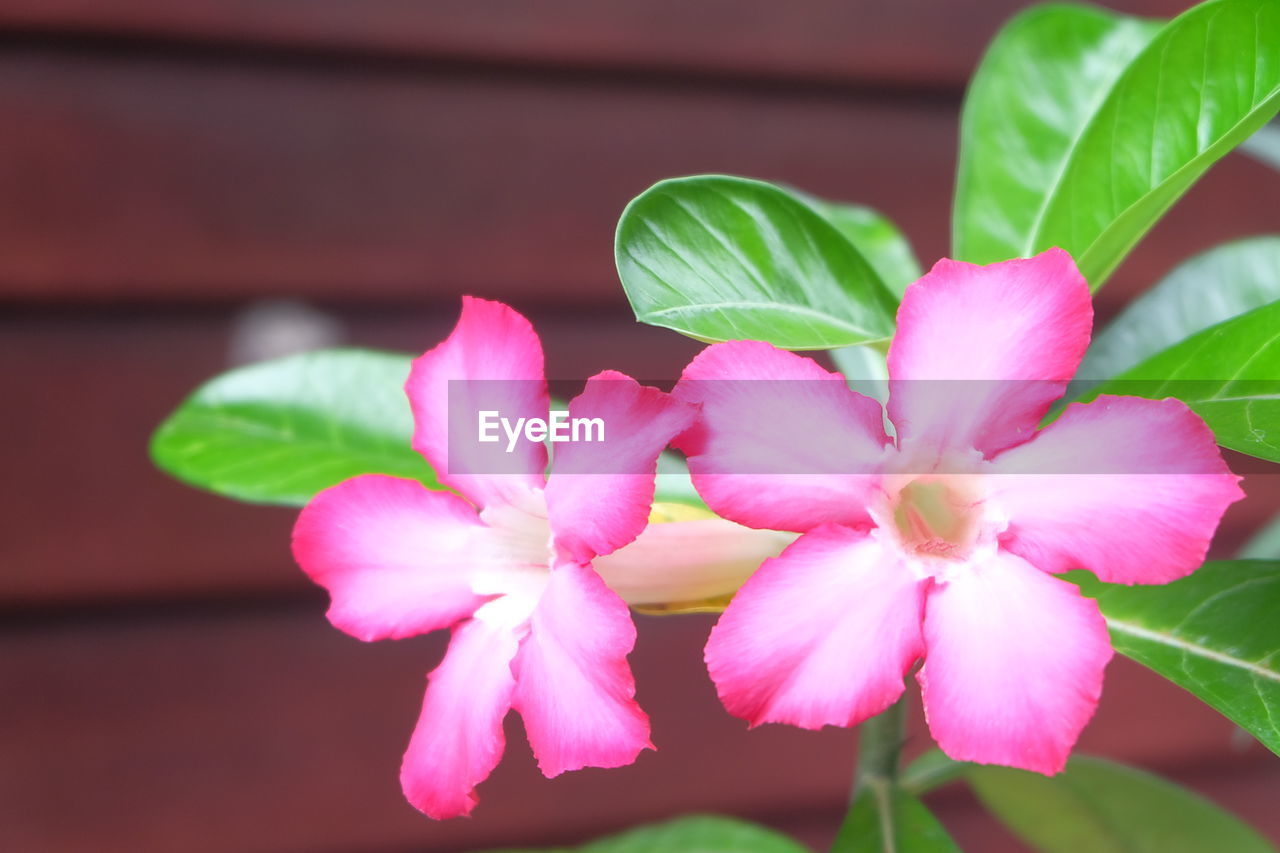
{"points": [[1013, 667], [1130, 489], [492, 361], [781, 443], [574, 686], [600, 491], [459, 739], [688, 561], [981, 352], [822, 635], [396, 558]]}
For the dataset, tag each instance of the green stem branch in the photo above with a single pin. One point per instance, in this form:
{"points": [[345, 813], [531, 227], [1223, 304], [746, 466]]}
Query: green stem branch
{"points": [[879, 750]]}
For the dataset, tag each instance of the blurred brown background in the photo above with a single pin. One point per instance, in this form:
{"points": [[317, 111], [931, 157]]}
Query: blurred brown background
{"points": [[167, 679]]}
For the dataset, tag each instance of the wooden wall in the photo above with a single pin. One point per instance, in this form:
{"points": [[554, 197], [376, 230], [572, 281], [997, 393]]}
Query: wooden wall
{"points": [[167, 679]]}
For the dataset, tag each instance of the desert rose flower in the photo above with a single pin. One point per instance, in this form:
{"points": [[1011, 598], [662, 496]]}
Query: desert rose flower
{"points": [[507, 563], [939, 545]]}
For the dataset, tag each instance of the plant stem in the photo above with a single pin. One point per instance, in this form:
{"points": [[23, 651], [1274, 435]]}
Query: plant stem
{"points": [[879, 747]]}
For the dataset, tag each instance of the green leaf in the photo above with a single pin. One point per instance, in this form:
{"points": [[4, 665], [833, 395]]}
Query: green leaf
{"points": [[1229, 374], [1047, 72], [720, 258], [693, 834], [1092, 170], [280, 431], [1265, 544], [886, 819], [1219, 284], [1103, 807], [887, 250], [878, 240], [1214, 633], [1264, 145], [931, 770]]}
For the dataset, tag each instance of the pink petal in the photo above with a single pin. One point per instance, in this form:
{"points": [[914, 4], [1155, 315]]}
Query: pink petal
{"points": [[822, 635], [459, 740], [1127, 488], [782, 443], [686, 561], [575, 691], [1019, 326], [492, 343], [599, 492], [1013, 664], [394, 556]]}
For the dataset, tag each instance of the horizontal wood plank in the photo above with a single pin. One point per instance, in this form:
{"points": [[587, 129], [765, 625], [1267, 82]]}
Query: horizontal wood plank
{"points": [[910, 42], [131, 180], [268, 730]]}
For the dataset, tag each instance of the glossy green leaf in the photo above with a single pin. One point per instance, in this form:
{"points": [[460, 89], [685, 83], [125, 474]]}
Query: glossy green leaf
{"points": [[1080, 133], [1214, 633], [1102, 807], [885, 819], [1264, 145], [1046, 73], [720, 258], [1265, 544], [280, 431], [1229, 374], [878, 240], [693, 834], [887, 249], [1219, 284]]}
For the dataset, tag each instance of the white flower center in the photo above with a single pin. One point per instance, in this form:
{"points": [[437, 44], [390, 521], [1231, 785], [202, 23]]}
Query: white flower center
{"points": [[513, 559], [939, 522], [937, 517]]}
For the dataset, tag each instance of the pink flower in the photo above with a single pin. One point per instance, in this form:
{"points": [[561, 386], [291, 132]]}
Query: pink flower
{"points": [[939, 545], [507, 562]]}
